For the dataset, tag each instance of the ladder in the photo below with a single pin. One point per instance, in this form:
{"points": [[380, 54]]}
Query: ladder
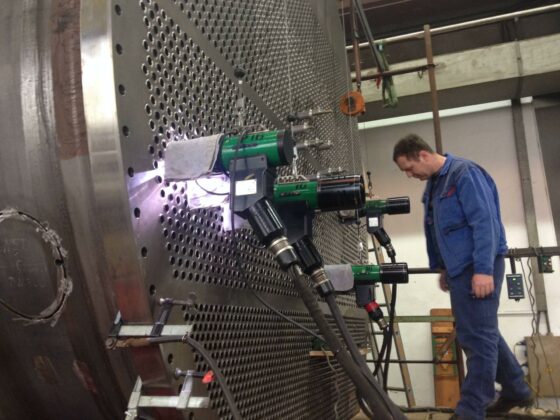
{"points": [[396, 337]]}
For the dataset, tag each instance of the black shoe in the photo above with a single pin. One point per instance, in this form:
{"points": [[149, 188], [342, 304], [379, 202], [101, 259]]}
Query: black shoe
{"points": [[503, 405]]}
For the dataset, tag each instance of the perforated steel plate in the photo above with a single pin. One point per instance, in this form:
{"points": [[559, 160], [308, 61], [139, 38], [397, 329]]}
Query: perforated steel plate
{"points": [[174, 64]]}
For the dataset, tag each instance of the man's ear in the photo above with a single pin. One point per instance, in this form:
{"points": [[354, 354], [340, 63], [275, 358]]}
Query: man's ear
{"points": [[424, 155]]}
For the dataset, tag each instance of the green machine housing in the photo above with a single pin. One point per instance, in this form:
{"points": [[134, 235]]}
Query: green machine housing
{"points": [[276, 146], [366, 274], [331, 193]]}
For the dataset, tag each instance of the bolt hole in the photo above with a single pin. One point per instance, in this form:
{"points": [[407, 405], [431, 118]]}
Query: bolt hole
{"points": [[130, 172], [126, 131], [122, 89], [137, 212], [118, 9], [144, 251], [119, 49], [152, 290]]}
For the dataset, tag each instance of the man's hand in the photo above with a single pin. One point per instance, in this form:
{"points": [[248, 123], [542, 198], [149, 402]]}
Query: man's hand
{"points": [[443, 281], [482, 285]]}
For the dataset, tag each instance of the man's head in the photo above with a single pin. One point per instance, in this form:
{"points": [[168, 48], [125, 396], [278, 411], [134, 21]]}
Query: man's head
{"points": [[416, 158]]}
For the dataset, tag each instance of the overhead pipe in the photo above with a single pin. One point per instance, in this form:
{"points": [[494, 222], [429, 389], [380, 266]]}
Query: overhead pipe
{"points": [[464, 25]]}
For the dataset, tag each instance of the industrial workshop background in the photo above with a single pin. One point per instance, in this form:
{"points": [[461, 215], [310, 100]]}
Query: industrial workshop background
{"points": [[93, 237], [92, 93]]}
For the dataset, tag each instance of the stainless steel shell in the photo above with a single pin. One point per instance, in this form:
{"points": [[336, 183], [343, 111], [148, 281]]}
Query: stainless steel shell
{"points": [[93, 92]]}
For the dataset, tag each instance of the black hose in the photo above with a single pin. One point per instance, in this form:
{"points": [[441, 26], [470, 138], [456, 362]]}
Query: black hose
{"points": [[381, 355], [390, 336], [238, 261], [365, 409], [211, 362], [376, 399], [217, 373], [353, 348]]}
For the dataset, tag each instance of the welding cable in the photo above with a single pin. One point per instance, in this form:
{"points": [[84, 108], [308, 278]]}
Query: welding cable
{"points": [[199, 348], [217, 373], [238, 261], [268, 305], [376, 399], [353, 348], [347, 336], [387, 339], [365, 409], [381, 355], [208, 191], [390, 336]]}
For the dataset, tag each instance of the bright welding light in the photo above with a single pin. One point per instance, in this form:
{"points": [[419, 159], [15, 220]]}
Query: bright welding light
{"points": [[211, 191], [141, 178], [239, 222]]}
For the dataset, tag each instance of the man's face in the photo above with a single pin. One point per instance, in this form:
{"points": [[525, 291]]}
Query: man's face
{"points": [[416, 168]]}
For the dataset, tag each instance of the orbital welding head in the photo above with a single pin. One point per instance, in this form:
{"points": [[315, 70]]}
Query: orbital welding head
{"points": [[277, 146], [191, 159], [329, 193]]}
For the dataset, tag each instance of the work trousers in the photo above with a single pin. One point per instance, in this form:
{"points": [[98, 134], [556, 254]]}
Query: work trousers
{"points": [[489, 359]]}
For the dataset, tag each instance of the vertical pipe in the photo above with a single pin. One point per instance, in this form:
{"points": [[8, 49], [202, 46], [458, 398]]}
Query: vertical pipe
{"points": [[528, 204], [357, 64], [433, 87]]}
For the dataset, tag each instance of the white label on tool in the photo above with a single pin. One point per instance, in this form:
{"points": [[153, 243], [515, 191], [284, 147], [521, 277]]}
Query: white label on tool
{"points": [[373, 221], [248, 187]]}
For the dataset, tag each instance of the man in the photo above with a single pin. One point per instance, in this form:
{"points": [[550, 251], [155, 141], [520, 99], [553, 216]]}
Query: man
{"points": [[466, 242]]}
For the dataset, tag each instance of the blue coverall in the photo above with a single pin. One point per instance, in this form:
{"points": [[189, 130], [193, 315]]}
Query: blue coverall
{"points": [[465, 235]]}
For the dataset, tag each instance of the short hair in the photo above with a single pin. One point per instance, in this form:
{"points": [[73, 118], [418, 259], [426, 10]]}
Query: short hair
{"points": [[410, 146]]}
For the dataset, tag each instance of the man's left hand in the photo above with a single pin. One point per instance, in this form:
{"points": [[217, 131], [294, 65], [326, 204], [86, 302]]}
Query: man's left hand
{"points": [[482, 285]]}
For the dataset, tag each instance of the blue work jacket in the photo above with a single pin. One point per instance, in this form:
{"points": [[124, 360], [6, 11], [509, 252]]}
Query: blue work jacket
{"points": [[466, 217]]}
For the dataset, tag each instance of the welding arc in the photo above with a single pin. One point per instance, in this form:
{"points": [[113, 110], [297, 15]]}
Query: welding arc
{"points": [[355, 352], [211, 362], [374, 396]]}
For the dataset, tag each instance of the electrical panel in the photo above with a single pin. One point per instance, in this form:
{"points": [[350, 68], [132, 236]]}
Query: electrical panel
{"points": [[545, 264], [515, 286]]}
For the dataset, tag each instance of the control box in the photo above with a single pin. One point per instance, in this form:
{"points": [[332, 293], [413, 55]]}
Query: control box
{"points": [[515, 286]]}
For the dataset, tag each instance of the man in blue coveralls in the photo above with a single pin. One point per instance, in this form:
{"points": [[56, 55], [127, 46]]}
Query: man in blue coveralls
{"points": [[466, 243]]}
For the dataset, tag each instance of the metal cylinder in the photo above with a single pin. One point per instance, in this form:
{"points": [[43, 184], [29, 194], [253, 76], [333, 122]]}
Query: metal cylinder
{"points": [[341, 193], [398, 205], [309, 257], [277, 146], [265, 221], [45, 170], [93, 93], [394, 273]]}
